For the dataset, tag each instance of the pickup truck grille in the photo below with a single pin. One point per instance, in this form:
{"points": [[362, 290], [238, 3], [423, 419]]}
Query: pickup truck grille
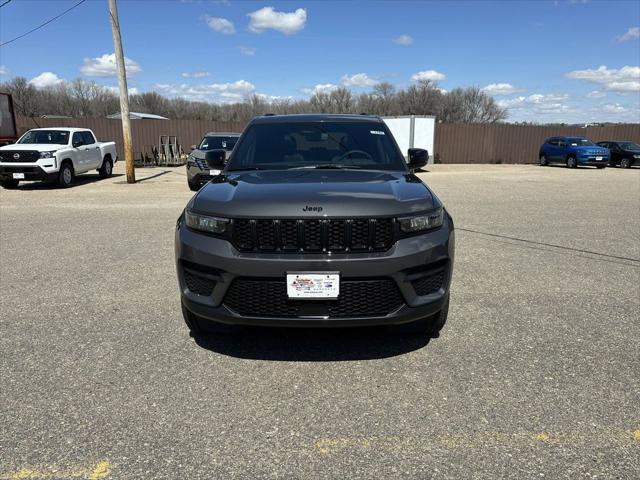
{"points": [[313, 236], [24, 156]]}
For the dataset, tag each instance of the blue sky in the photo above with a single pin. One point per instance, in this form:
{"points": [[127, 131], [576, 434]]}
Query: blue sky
{"points": [[564, 60]]}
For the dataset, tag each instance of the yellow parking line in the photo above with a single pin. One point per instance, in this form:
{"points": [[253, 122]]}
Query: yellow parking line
{"points": [[326, 446], [100, 470]]}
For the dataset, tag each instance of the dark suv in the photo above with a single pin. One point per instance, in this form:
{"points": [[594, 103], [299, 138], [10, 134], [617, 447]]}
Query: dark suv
{"points": [[623, 153], [316, 220], [200, 164]]}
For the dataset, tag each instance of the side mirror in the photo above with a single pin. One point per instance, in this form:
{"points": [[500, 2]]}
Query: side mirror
{"points": [[418, 158], [216, 158], [77, 144], [193, 147]]}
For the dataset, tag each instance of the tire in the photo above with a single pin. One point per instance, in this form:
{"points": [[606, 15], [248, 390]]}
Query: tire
{"points": [[66, 175], [106, 169], [572, 162], [430, 325], [543, 160], [198, 326], [194, 187], [625, 163], [10, 183]]}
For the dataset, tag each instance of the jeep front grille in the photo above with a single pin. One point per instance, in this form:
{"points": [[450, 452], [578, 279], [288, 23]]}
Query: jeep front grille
{"points": [[313, 235]]}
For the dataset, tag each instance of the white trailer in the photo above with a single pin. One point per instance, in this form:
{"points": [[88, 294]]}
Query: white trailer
{"points": [[413, 131]]}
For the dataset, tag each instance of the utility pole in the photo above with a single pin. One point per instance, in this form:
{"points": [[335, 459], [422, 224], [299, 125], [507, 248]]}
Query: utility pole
{"points": [[124, 92]]}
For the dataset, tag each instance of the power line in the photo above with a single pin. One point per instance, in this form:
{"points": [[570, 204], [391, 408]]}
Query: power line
{"points": [[4, 3], [41, 25]]}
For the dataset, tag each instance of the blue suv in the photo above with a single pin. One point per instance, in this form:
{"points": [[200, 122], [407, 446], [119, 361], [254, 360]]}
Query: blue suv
{"points": [[573, 152]]}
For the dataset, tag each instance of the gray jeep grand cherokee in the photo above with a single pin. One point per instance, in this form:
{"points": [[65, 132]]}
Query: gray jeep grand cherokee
{"points": [[316, 221]]}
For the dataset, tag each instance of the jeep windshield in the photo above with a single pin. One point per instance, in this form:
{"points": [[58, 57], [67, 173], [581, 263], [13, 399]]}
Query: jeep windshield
{"points": [[580, 142], [344, 145], [217, 142], [59, 137]]}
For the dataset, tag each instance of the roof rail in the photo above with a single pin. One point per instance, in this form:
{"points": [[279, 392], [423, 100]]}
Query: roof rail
{"points": [[364, 113], [269, 115]]}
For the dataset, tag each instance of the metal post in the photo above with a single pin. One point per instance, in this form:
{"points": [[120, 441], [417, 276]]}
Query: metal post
{"points": [[124, 93]]}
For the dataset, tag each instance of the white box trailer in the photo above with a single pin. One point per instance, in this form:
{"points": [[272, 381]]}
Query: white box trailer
{"points": [[413, 131]]}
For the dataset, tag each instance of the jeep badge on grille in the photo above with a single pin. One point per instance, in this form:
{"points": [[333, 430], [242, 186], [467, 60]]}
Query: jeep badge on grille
{"points": [[16, 156]]}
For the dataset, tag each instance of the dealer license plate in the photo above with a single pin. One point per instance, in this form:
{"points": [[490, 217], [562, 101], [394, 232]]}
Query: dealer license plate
{"points": [[598, 159], [213, 173], [313, 285], [18, 176]]}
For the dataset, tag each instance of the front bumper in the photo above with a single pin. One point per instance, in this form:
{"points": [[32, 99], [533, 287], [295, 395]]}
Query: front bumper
{"points": [[408, 261], [31, 171], [199, 176], [591, 161]]}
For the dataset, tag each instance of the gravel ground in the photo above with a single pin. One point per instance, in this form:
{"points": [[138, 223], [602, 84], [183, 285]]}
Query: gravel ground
{"points": [[535, 375]]}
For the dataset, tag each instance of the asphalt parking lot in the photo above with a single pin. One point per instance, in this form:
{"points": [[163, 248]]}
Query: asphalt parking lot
{"points": [[537, 373]]}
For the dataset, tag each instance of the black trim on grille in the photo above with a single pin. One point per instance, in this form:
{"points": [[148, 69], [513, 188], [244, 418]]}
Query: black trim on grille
{"points": [[25, 156], [267, 297], [313, 235]]}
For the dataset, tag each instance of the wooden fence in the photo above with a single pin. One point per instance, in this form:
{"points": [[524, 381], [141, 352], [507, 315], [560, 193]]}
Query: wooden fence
{"points": [[454, 143]]}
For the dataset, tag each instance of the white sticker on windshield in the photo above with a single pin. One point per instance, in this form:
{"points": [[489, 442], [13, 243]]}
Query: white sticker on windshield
{"points": [[377, 132]]}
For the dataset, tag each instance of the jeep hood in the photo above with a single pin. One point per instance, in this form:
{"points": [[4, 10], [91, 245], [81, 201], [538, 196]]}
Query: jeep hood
{"points": [[302, 193]]}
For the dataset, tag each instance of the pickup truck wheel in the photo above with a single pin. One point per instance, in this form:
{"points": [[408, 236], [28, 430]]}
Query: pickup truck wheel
{"points": [[430, 325], [198, 326], [625, 163], [9, 183], [194, 187], [65, 176], [543, 160], [107, 168], [572, 162]]}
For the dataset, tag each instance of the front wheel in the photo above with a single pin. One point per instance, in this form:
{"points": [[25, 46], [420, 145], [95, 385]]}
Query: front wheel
{"points": [[572, 162], [9, 183], [625, 163], [107, 168], [194, 187], [543, 160], [430, 325], [65, 177]]}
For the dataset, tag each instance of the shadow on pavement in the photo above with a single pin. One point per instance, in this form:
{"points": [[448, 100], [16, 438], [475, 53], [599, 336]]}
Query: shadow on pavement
{"points": [[312, 345], [80, 180]]}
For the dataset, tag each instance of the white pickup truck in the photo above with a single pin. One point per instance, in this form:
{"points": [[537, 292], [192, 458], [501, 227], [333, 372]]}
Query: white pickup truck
{"points": [[55, 155]]}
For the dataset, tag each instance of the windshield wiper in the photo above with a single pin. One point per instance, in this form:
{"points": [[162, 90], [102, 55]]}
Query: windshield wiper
{"points": [[245, 168], [326, 166]]}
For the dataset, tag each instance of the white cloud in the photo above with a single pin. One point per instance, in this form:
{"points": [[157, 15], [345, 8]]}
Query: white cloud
{"points": [[273, 98], [105, 66], [625, 79], [194, 74], [46, 79], [403, 40], [428, 75], [537, 103], [596, 94], [248, 51], [220, 25], [614, 108], [4, 70], [208, 92], [268, 17], [321, 88], [358, 80], [501, 89], [632, 34], [116, 90]]}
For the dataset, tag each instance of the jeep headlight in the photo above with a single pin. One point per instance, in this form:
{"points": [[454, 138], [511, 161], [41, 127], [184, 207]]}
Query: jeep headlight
{"points": [[421, 223], [205, 223], [51, 154]]}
